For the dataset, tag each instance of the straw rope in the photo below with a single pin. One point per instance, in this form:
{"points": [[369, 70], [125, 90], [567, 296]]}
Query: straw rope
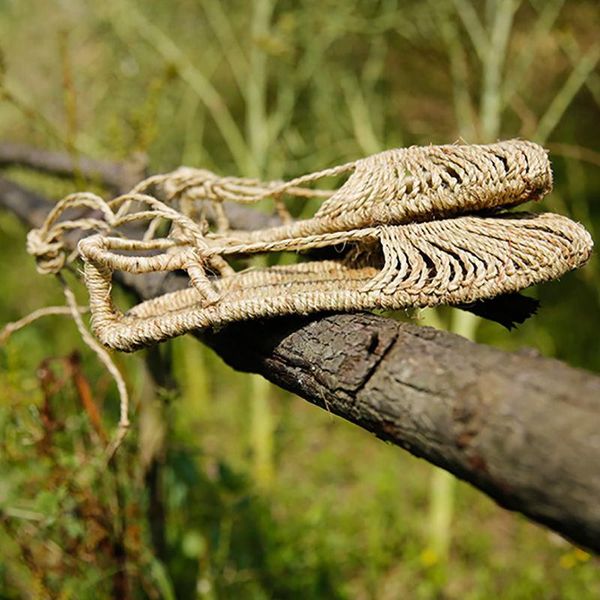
{"points": [[414, 227], [408, 218]]}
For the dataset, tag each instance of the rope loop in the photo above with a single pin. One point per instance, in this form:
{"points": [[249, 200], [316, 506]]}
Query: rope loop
{"points": [[48, 250]]}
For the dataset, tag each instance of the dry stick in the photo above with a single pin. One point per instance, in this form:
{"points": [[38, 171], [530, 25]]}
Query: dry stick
{"points": [[522, 429]]}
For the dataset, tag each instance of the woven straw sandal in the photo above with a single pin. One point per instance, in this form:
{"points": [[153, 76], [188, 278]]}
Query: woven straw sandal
{"points": [[414, 227]]}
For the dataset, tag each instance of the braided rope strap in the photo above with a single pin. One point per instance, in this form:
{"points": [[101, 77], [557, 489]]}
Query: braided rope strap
{"points": [[413, 227]]}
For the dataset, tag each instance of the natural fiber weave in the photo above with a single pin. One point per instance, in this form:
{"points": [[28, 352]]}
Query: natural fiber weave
{"points": [[412, 227]]}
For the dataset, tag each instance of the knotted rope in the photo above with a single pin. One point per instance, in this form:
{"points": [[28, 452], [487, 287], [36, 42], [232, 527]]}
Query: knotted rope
{"points": [[414, 227]]}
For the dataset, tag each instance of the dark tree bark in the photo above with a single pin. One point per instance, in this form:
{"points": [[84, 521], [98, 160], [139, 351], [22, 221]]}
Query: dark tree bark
{"points": [[523, 429]]}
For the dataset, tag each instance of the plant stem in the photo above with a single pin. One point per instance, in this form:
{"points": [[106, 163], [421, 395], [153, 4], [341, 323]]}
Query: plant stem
{"points": [[257, 132], [563, 99], [257, 129], [441, 509], [442, 485], [493, 63], [261, 432]]}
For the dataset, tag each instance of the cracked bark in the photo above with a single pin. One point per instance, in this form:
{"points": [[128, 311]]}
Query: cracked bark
{"points": [[523, 429]]}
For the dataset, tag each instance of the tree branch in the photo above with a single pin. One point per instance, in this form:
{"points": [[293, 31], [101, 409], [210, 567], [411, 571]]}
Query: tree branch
{"points": [[118, 177], [523, 429]]}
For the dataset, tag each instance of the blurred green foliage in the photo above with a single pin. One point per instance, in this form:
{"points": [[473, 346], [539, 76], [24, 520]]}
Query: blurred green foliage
{"points": [[228, 488]]}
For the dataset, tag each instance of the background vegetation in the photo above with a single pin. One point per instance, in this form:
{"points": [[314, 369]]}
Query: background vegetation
{"points": [[227, 487]]}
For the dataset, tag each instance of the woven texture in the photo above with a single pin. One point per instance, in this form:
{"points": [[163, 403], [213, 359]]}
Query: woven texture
{"points": [[413, 227]]}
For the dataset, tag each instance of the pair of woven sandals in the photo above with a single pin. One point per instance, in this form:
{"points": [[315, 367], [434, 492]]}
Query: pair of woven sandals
{"points": [[414, 227]]}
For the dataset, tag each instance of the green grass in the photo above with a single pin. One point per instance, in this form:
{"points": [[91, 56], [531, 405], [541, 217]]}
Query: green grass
{"points": [[345, 516]]}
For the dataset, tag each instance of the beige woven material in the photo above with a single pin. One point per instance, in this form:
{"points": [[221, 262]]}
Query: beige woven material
{"points": [[413, 227]]}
